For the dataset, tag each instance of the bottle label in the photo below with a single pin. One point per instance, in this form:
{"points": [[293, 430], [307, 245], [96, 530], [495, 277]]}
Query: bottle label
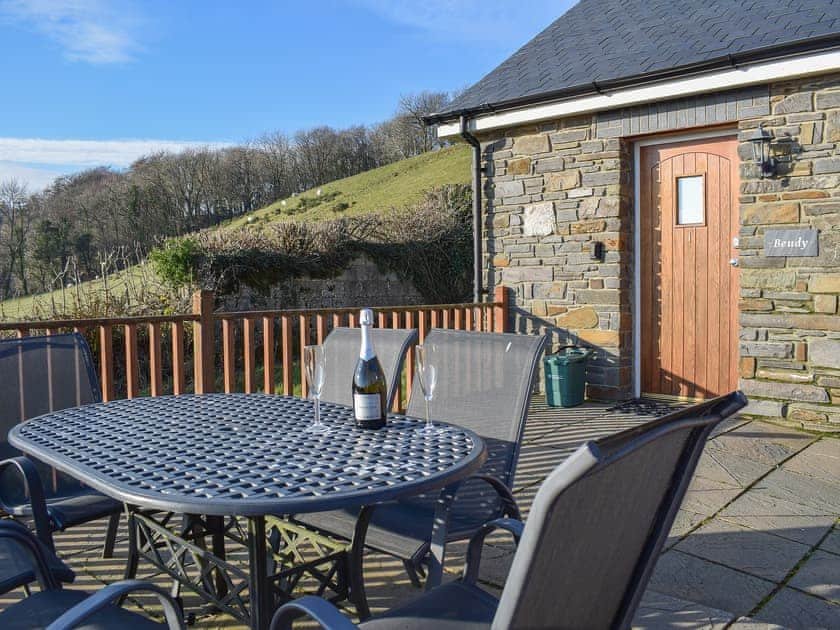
{"points": [[367, 407]]}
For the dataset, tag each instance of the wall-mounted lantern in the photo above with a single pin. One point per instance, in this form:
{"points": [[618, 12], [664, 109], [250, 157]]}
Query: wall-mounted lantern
{"points": [[768, 152]]}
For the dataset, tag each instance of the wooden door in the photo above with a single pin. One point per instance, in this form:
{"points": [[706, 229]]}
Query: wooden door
{"points": [[689, 287]]}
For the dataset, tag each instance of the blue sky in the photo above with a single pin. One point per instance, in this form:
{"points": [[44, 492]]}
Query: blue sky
{"points": [[105, 81]]}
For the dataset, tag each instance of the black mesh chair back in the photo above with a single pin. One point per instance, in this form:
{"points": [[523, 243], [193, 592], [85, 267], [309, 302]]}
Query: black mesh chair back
{"points": [[40, 375], [484, 383], [341, 349], [599, 521]]}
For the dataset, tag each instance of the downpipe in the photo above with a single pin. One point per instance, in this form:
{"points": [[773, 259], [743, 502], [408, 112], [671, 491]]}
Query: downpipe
{"points": [[476, 190]]}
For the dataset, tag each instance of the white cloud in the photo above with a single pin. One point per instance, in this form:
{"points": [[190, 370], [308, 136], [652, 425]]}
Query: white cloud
{"points": [[37, 162], [36, 179], [94, 31], [472, 19], [119, 153]]}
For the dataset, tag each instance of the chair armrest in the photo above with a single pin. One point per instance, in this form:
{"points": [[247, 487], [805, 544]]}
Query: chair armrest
{"points": [[19, 534], [322, 611], [106, 596], [37, 500], [473, 562], [509, 506]]}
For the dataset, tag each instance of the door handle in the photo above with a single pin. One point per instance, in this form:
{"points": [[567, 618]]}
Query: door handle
{"points": [[733, 262]]}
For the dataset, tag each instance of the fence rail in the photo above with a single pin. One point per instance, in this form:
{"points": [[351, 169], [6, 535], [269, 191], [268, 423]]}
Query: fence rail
{"points": [[247, 351]]}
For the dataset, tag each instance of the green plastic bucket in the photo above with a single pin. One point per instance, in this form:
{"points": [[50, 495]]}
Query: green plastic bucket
{"points": [[565, 376]]}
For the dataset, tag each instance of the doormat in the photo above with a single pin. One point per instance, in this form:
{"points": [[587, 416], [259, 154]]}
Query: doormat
{"points": [[647, 407]]}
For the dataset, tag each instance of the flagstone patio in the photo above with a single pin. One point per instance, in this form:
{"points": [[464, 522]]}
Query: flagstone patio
{"points": [[756, 543]]}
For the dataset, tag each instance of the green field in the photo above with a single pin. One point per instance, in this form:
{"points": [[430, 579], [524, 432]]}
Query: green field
{"points": [[395, 186]]}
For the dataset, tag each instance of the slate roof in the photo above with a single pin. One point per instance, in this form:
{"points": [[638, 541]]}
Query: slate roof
{"points": [[607, 41]]}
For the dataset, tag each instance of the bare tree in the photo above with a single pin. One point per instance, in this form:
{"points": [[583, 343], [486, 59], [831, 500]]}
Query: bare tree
{"points": [[278, 164], [15, 222], [413, 107]]}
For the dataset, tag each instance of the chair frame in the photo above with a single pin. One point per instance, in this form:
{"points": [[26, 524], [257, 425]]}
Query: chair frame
{"points": [[44, 521], [588, 459], [434, 548], [503, 487], [94, 603]]}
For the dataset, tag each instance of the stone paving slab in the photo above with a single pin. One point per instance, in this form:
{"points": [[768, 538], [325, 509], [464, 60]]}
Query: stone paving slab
{"points": [[693, 579], [746, 623], [730, 469], [798, 610], [662, 612], [685, 521], [819, 494], [729, 425], [706, 496], [751, 551], [832, 542], [761, 511], [821, 461], [755, 443], [770, 531], [820, 575]]}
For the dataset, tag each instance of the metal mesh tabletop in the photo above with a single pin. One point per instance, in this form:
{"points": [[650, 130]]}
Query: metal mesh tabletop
{"points": [[249, 455]]}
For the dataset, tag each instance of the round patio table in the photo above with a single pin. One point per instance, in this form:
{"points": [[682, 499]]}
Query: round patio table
{"points": [[245, 455]]}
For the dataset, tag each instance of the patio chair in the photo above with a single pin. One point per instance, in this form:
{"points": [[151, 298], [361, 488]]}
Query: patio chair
{"points": [[484, 383], [40, 375], [61, 609], [16, 566], [341, 348], [586, 553]]}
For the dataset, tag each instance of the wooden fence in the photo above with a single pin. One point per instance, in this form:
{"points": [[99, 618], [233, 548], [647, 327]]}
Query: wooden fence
{"points": [[246, 351]]}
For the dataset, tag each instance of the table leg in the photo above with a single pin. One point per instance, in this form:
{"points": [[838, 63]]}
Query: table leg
{"points": [[356, 562], [133, 551], [216, 525], [259, 586], [440, 527]]}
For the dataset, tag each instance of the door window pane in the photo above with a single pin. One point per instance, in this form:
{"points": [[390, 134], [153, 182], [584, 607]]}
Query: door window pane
{"points": [[690, 200]]}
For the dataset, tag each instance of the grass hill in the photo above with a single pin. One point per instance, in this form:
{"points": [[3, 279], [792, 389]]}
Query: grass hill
{"points": [[394, 186]]}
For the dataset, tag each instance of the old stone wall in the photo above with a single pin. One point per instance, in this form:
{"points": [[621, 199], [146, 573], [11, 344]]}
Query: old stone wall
{"points": [[361, 284], [790, 327], [552, 191]]}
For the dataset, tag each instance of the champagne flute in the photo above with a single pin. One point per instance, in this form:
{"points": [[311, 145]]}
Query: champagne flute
{"points": [[315, 368], [427, 377]]}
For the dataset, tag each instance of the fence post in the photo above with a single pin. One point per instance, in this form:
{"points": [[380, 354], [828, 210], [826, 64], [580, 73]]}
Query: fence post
{"points": [[501, 295], [106, 360], [204, 346]]}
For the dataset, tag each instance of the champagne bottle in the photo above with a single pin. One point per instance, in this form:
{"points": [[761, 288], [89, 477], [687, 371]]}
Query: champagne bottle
{"points": [[369, 390]]}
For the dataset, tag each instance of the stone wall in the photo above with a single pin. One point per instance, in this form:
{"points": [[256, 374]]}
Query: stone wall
{"points": [[555, 188], [552, 191], [790, 327], [361, 284]]}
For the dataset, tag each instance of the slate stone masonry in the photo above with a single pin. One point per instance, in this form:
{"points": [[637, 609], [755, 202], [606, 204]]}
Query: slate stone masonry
{"points": [[555, 188], [552, 191], [790, 327]]}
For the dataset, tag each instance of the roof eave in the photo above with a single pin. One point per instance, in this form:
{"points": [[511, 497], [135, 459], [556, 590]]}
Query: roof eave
{"points": [[769, 53]]}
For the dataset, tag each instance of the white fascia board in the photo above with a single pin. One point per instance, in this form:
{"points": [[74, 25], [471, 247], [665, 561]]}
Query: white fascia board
{"points": [[731, 78]]}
